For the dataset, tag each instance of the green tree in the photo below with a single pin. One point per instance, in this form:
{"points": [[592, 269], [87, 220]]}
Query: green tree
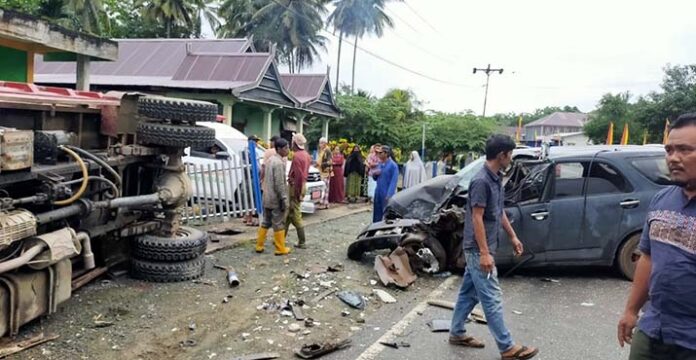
{"points": [[614, 108], [169, 12], [236, 16], [88, 14], [294, 26]]}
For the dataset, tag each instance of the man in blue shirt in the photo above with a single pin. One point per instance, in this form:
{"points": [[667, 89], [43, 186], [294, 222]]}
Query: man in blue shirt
{"points": [[666, 271], [483, 219], [387, 175]]}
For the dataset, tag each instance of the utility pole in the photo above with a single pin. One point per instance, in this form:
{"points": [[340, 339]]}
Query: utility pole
{"points": [[488, 72], [423, 144]]}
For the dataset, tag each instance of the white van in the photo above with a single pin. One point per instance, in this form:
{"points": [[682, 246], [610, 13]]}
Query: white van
{"points": [[230, 144]]}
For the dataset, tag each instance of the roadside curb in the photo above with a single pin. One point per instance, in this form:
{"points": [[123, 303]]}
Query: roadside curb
{"points": [[245, 238]]}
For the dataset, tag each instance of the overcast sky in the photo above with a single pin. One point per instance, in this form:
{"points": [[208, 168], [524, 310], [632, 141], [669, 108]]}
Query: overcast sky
{"points": [[553, 52]]}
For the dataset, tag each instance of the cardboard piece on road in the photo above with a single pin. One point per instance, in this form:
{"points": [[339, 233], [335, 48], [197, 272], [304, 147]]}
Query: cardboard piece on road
{"points": [[395, 269], [439, 325]]}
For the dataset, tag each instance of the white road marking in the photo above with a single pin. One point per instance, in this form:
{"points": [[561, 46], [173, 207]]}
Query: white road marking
{"points": [[376, 348]]}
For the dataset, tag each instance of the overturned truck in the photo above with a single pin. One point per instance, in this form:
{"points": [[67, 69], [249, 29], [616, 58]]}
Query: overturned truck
{"points": [[91, 182]]}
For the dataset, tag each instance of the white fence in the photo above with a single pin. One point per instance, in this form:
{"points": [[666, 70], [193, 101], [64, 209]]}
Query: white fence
{"points": [[222, 188]]}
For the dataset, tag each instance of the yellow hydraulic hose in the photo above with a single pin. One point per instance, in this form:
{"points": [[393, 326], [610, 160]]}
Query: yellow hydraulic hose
{"points": [[85, 178]]}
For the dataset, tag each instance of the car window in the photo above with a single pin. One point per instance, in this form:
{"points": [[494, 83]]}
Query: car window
{"points": [[468, 172], [654, 168], [569, 179], [208, 152], [605, 179]]}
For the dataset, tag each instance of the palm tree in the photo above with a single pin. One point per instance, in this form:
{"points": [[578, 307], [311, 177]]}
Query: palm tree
{"points": [[343, 20], [171, 12], [86, 12], [293, 25], [206, 9], [237, 16], [371, 19]]}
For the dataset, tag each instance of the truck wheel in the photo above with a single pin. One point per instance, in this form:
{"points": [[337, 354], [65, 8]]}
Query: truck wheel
{"points": [[167, 272], [175, 136], [628, 256], [188, 244], [177, 110]]}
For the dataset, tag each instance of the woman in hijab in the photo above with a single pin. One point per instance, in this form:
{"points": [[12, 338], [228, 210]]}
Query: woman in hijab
{"points": [[354, 171], [373, 161], [337, 191], [414, 171]]}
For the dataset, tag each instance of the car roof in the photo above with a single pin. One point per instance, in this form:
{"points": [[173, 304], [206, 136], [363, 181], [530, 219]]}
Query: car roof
{"points": [[559, 152]]}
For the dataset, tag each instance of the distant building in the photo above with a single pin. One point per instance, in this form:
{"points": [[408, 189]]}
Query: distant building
{"points": [[556, 123]]}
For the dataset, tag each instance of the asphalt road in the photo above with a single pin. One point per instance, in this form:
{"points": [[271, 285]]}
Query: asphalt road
{"points": [[552, 318]]}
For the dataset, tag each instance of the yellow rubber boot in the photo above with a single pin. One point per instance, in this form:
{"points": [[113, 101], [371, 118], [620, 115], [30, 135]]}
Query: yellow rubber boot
{"points": [[261, 239], [279, 241]]}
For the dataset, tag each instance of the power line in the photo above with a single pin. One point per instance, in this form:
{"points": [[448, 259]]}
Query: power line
{"points": [[390, 62], [421, 18]]}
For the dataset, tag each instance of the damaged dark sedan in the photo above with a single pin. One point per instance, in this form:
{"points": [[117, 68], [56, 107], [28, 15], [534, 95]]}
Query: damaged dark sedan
{"points": [[578, 206]]}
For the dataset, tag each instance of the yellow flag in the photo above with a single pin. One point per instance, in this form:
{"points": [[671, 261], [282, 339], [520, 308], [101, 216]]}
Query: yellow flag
{"points": [[645, 136], [518, 134], [624, 135], [666, 132], [610, 134]]}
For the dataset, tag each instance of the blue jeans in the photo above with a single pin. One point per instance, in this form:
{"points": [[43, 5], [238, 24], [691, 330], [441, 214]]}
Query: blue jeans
{"points": [[478, 287]]}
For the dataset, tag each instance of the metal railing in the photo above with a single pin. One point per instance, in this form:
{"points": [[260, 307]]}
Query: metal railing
{"points": [[222, 188]]}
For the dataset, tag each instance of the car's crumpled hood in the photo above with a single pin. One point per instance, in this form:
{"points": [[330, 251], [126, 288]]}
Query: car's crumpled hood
{"points": [[419, 202]]}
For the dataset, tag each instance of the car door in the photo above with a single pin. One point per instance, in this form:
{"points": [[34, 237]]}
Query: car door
{"points": [[609, 195], [528, 219], [564, 210]]}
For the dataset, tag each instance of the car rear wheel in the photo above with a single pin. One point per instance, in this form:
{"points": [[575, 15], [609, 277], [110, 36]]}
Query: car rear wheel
{"points": [[628, 256]]}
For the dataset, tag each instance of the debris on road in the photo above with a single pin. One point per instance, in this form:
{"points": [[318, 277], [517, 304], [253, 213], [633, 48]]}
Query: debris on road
{"points": [[395, 345], [102, 323], [353, 299], [335, 267], [321, 296], [7, 347], [442, 304], [296, 309], [444, 274], [232, 278], [345, 313], [260, 356], [478, 316], [430, 263], [294, 328], [313, 351], [395, 269], [188, 343], [550, 280], [587, 304], [384, 296], [439, 325], [516, 312]]}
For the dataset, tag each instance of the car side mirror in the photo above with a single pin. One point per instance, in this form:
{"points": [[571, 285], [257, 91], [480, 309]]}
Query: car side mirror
{"points": [[222, 155]]}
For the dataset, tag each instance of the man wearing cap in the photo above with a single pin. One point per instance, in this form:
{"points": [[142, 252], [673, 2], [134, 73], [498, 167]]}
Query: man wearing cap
{"points": [[275, 201], [387, 175], [297, 178]]}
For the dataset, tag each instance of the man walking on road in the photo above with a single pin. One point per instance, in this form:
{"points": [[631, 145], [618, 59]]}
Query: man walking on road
{"points": [[666, 271], [484, 217], [275, 200], [297, 178]]}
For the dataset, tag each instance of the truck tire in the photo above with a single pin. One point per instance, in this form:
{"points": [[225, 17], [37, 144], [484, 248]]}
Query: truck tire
{"points": [[175, 136], [626, 259], [188, 244], [177, 110], [163, 272]]}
